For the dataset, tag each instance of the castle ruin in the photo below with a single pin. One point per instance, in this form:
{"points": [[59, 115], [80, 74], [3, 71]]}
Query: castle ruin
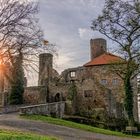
{"points": [[86, 89], [97, 88]]}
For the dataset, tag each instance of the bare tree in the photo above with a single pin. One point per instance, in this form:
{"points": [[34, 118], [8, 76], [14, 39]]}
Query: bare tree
{"points": [[20, 32], [19, 29], [20, 35], [120, 22]]}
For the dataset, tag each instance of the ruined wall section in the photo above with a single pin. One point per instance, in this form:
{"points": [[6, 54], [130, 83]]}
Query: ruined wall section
{"points": [[35, 95], [68, 77], [97, 85], [104, 76], [94, 96], [58, 92], [101, 75]]}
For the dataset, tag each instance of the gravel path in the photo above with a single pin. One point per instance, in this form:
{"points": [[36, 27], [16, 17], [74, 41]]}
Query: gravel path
{"points": [[13, 122]]}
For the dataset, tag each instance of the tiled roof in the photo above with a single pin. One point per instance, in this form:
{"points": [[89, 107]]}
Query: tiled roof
{"points": [[104, 59]]}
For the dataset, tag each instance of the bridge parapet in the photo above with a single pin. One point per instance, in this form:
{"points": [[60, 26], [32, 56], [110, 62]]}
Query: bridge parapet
{"points": [[55, 109]]}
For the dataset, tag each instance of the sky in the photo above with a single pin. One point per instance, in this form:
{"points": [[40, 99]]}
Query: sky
{"points": [[66, 23]]}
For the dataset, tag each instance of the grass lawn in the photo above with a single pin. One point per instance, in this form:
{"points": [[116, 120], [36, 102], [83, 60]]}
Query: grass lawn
{"points": [[12, 135], [76, 125]]}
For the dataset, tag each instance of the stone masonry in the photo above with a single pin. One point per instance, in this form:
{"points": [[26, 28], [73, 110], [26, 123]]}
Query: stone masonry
{"points": [[96, 86], [91, 86]]}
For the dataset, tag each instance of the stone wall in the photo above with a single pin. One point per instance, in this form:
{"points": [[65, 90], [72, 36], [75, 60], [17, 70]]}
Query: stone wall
{"points": [[35, 95], [113, 82], [60, 89], [91, 92], [55, 109], [97, 87], [99, 74], [10, 108]]}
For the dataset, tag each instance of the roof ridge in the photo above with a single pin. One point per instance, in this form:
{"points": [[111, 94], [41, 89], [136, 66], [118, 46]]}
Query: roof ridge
{"points": [[103, 59], [113, 55]]}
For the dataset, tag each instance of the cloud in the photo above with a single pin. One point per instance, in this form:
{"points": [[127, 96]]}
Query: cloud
{"points": [[62, 61], [85, 33], [66, 23], [82, 32]]}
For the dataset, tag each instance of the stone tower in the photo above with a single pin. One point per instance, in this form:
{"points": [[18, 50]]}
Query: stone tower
{"points": [[98, 46], [45, 68]]}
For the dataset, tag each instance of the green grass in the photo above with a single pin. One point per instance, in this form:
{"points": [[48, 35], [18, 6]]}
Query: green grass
{"points": [[12, 135], [75, 125]]}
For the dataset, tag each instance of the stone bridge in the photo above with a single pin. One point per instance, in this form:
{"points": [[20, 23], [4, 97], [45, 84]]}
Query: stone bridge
{"points": [[55, 109]]}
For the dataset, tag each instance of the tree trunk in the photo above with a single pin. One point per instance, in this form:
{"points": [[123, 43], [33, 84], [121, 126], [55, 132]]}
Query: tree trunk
{"points": [[129, 100]]}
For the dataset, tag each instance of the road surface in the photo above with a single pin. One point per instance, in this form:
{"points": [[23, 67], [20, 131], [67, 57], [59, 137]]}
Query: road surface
{"points": [[13, 122]]}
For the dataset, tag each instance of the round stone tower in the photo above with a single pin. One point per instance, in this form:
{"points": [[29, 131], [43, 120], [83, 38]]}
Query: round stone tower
{"points": [[98, 46], [45, 68]]}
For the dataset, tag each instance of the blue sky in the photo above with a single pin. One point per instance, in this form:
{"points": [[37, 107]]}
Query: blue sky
{"points": [[66, 23]]}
